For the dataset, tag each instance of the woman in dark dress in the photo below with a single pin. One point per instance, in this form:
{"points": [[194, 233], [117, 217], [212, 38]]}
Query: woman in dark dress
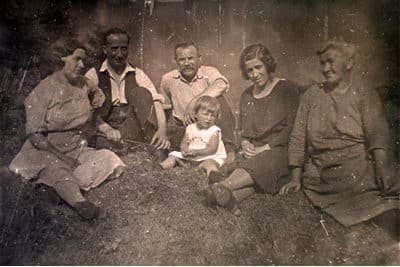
{"points": [[267, 112]]}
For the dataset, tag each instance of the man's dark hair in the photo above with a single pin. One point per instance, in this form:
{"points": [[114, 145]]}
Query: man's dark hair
{"points": [[260, 52], [186, 45], [114, 30]]}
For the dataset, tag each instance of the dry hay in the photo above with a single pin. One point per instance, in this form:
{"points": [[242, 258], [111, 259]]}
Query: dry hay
{"points": [[156, 217]]}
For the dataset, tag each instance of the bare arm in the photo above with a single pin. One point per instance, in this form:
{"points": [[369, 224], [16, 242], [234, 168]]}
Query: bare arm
{"points": [[185, 144], [210, 149], [160, 139]]}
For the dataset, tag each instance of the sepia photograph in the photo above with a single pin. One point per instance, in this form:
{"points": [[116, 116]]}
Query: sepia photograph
{"points": [[200, 132]]}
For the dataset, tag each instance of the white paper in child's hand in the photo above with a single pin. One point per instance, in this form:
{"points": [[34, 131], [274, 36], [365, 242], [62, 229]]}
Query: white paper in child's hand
{"points": [[197, 143]]}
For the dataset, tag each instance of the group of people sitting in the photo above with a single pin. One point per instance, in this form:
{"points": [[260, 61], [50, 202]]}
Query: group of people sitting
{"points": [[333, 140]]}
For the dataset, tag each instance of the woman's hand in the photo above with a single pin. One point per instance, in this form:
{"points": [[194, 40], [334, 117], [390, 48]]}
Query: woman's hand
{"points": [[248, 149], [386, 178], [295, 184], [292, 186]]}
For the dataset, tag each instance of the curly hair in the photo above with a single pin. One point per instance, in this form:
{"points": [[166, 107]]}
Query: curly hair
{"points": [[257, 51], [50, 60]]}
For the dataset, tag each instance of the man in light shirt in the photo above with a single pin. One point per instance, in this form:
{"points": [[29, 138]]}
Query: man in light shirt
{"points": [[183, 86], [133, 110]]}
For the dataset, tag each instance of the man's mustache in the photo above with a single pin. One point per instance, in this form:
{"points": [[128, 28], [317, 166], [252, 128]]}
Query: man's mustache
{"points": [[330, 71], [188, 68]]}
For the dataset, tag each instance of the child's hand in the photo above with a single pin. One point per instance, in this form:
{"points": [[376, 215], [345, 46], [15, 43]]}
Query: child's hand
{"points": [[189, 153]]}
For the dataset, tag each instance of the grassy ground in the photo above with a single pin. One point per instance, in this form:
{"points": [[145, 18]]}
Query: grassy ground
{"points": [[156, 217]]}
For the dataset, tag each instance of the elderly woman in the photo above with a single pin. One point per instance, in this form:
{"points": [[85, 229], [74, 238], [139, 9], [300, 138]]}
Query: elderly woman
{"points": [[342, 129], [58, 112], [267, 112]]}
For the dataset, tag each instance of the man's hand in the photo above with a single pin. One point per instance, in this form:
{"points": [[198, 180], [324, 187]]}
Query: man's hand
{"points": [[248, 149], [160, 141], [113, 134], [110, 133], [189, 116]]}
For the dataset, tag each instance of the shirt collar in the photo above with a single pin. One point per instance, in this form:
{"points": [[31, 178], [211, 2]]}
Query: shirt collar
{"points": [[199, 75], [104, 67]]}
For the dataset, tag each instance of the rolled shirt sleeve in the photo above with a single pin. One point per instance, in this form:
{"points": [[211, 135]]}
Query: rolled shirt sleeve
{"points": [[164, 90], [144, 81], [92, 76], [213, 75]]}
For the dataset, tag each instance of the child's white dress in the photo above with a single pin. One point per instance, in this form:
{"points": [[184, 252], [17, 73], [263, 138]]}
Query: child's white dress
{"points": [[198, 139]]}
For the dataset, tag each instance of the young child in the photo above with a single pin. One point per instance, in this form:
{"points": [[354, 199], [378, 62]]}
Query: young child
{"points": [[202, 141]]}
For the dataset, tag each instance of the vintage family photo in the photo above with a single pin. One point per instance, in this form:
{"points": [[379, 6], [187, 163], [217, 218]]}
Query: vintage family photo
{"points": [[199, 132]]}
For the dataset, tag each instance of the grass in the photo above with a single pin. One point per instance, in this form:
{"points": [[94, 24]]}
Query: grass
{"points": [[156, 217]]}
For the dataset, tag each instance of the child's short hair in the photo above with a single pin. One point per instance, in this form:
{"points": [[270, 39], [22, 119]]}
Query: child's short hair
{"points": [[209, 103]]}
